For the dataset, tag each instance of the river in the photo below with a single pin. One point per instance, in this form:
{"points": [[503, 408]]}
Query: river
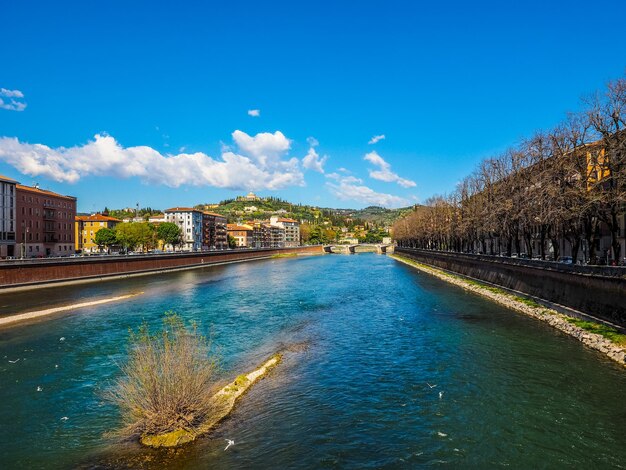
{"points": [[366, 338]]}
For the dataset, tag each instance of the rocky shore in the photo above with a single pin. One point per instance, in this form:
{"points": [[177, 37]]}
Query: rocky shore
{"points": [[566, 324]]}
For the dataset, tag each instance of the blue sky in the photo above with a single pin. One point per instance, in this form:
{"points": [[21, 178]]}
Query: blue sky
{"points": [[168, 90]]}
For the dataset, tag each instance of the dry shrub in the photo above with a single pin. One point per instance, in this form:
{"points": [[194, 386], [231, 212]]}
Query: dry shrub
{"points": [[168, 382]]}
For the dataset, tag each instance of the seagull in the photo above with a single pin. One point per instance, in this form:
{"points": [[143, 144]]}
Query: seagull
{"points": [[62, 338], [431, 386], [13, 362], [440, 395], [56, 366], [39, 389], [441, 434], [64, 418], [230, 443]]}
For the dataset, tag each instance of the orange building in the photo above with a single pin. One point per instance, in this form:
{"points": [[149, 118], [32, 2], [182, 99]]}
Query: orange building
{"points": [[242, 234]]}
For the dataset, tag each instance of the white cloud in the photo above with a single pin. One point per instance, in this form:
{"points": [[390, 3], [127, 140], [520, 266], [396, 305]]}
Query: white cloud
{"points": [[258, 164], [263, 147], [376, 138], [11, 93], [312, 141], [12, 104], [385, 173], [312, 161], [350, 188], [254, 112]]}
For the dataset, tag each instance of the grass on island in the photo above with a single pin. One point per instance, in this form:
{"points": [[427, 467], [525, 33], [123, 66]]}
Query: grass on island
{"points": [[607, 331], [285, 255], [169, 381]]}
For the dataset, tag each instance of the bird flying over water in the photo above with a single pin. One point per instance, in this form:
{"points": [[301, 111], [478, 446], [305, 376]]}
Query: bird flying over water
{"points": [[230, 443], [431, 386], [13, 362], [440, 395]]}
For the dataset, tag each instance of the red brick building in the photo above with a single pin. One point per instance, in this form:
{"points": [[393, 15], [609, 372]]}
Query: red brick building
{"points": [[45, 222]]}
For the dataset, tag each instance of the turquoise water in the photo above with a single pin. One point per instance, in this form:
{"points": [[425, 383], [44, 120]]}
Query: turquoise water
{"points": [[363, 336]]}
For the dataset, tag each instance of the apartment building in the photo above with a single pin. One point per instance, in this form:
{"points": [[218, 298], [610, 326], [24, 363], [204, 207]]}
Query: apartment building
{"points": [[191, 225], [214, 231], [291, 228], [242, 235], [7, 217], [86, 228], [44, 222]]}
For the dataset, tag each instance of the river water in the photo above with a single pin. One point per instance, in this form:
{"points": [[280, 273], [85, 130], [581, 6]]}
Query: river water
{"points": [[365, 338]]}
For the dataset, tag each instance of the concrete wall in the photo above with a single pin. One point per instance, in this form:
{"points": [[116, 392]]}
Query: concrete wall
{"points": [[596, 290], [18, 273]]}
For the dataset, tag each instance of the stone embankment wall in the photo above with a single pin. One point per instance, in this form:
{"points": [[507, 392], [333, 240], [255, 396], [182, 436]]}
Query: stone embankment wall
{"points": [[18, 273], [596, 290]]}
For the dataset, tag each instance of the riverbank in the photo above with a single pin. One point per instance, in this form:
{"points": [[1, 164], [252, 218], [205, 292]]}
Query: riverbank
{"points": [[225, 400], [22, 317], [17, 275], [594, 335]]}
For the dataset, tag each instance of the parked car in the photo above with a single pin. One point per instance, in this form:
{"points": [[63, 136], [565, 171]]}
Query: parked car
{"points": [[565, 259]]}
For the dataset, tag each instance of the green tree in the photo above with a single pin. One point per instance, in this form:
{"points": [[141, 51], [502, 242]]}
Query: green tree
{"points": [[232, 243], [145, 235], [105, 237], [125, 236], [169, 233]]}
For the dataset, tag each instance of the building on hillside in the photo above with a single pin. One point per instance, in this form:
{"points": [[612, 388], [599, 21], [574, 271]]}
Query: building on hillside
{"points": [[44, 222], [249, 197], [157, 219], [291, 228], [8, 222], [250, 209], [242, 235], [190, 222], [214, 231], [86, 227]]}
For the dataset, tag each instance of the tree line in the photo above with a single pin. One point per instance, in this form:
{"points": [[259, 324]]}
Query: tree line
{"points": [[143, 235], [567, 183]]}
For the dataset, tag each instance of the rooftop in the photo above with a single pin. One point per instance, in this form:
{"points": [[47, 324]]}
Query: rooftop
{"points": [[97, 218], [182, 209], [35, 189]]}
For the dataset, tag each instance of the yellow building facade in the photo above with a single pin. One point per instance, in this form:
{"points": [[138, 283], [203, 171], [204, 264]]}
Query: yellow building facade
{"points": [[86, 228]]}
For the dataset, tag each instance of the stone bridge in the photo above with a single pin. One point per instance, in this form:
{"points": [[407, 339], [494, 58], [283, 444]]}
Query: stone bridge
{"points": [[379, 248]]}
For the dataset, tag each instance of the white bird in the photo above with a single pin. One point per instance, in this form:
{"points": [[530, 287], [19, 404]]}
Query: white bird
{"points": [[64, 418], [440, 395], [56, 366], [62, 338], [13, 362], [431, 386], [441, 434], [39, 389], [230, 443]]}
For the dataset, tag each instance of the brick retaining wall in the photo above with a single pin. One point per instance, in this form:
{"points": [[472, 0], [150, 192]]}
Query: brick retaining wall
{"points": [[18, 273]]}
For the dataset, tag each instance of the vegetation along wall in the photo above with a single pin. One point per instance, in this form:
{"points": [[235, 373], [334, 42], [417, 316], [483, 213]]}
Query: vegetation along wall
{"points": [[595, 290]]}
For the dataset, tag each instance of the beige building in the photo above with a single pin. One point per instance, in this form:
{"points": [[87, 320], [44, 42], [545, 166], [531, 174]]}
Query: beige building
{"points": [[291, 228]]}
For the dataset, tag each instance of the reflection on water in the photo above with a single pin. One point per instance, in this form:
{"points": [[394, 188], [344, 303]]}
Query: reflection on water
{"points": [[364, 337]]}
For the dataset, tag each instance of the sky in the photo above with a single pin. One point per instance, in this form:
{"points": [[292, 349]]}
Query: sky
{"points": [[329, 103]]}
